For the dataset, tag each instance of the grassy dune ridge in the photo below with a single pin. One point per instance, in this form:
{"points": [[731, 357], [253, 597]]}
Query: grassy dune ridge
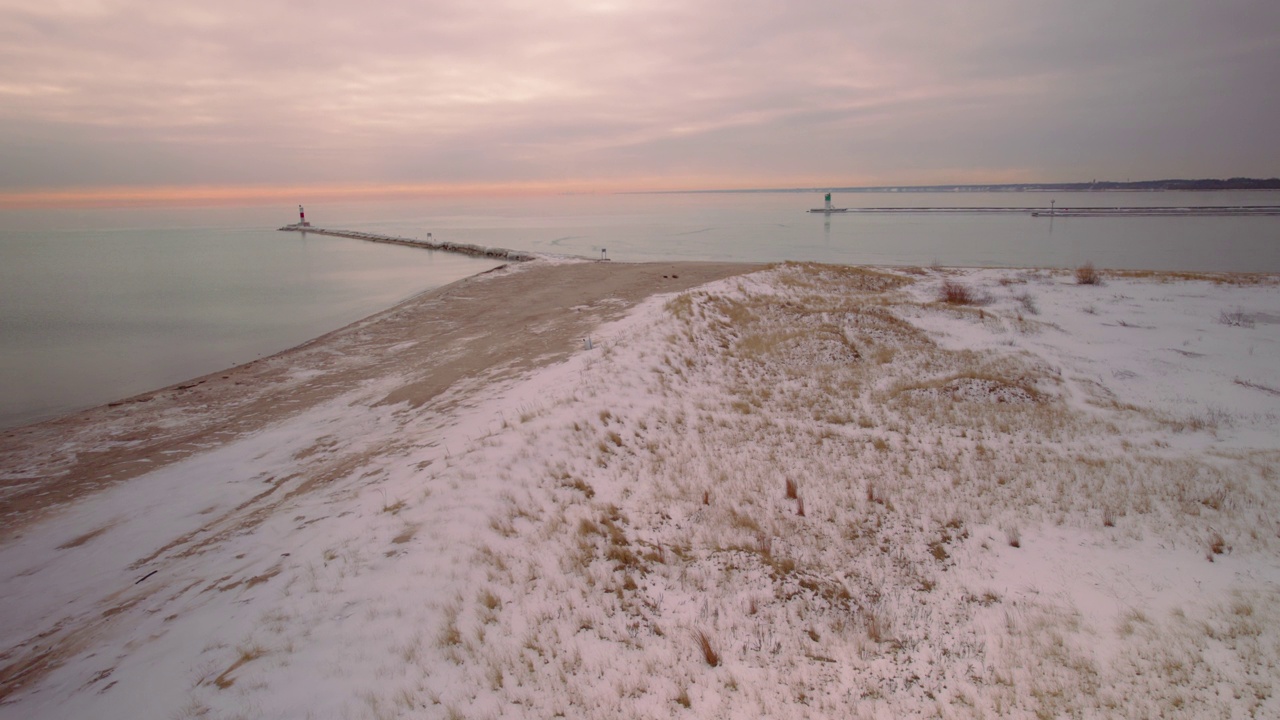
{"points": [[798, 503]]}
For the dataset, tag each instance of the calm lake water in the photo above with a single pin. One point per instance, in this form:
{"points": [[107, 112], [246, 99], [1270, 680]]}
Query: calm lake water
{"points": [[773, 226], [88, 316], [96, 305]]}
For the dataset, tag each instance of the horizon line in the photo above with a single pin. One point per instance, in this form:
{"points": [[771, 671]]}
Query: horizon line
{"points": [[204, 195]]}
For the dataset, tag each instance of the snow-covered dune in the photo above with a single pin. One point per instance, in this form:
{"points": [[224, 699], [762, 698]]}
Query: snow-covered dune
{"points": [[810, 491]]}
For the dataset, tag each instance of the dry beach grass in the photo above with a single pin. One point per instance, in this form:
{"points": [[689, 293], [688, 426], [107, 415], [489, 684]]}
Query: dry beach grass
{"points": [[808, 491], [918, 464]]}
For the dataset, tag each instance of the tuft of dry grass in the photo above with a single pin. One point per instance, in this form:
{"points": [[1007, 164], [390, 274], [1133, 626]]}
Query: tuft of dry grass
{"points": [[764, 545], [1235, 318], [1087, 274], [582, 486], [623, 557], [877, 496], [708, 649], [790, 489], [406, 534], [245, 653], [1217, 545], [683, 698], [450, 633], [876, 624], [681, 306], [954, 293]]}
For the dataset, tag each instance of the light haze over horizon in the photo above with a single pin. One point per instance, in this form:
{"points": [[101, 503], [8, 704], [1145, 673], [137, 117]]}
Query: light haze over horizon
{"points": [[185, 97]]}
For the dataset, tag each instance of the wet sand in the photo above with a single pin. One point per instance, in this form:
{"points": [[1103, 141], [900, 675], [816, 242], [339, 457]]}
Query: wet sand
{"points": [[485, 327]]}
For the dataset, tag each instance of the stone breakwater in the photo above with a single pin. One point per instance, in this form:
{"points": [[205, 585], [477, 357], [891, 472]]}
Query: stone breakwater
{"points": [[446, 246], [1130, 211]]}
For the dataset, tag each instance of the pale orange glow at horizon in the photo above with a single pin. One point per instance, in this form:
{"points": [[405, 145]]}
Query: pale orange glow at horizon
{"points": [[254, 195], [251, 195]]}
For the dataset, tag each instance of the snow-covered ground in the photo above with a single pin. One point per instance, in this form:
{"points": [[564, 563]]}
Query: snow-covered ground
{"points": [[808, 492]]}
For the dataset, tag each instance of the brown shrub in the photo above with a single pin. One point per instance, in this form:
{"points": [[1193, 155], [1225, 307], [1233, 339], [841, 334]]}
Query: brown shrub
{"points": [[1087, 274], [954, 293]]}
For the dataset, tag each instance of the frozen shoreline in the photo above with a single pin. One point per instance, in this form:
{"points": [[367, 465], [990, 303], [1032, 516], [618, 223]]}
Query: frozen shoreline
{"points": [[533, 528], [131, 433]]}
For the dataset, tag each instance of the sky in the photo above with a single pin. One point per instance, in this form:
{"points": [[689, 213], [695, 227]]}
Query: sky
{"points": [[113, 97]]}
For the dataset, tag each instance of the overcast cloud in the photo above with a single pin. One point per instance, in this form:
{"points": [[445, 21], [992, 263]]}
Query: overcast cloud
{"points": [[659, 93]]}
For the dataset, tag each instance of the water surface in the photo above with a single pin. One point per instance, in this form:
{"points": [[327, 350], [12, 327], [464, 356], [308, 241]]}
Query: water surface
{"points": [[91, 316], [770, 227], [97, 305]]}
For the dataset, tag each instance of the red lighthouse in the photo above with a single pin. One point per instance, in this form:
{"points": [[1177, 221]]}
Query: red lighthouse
{"points": [[302, 217]]}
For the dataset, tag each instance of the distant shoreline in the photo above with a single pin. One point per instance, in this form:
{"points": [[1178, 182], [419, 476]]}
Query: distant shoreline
{"points": [[1171, 185]]}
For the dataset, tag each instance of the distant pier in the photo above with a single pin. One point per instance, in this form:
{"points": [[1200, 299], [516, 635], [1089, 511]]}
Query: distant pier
{"points": [[443, 246], [1172, 211]]}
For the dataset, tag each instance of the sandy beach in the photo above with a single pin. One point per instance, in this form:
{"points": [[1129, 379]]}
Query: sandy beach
{"points": [[785, 491], [487, 326]]}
